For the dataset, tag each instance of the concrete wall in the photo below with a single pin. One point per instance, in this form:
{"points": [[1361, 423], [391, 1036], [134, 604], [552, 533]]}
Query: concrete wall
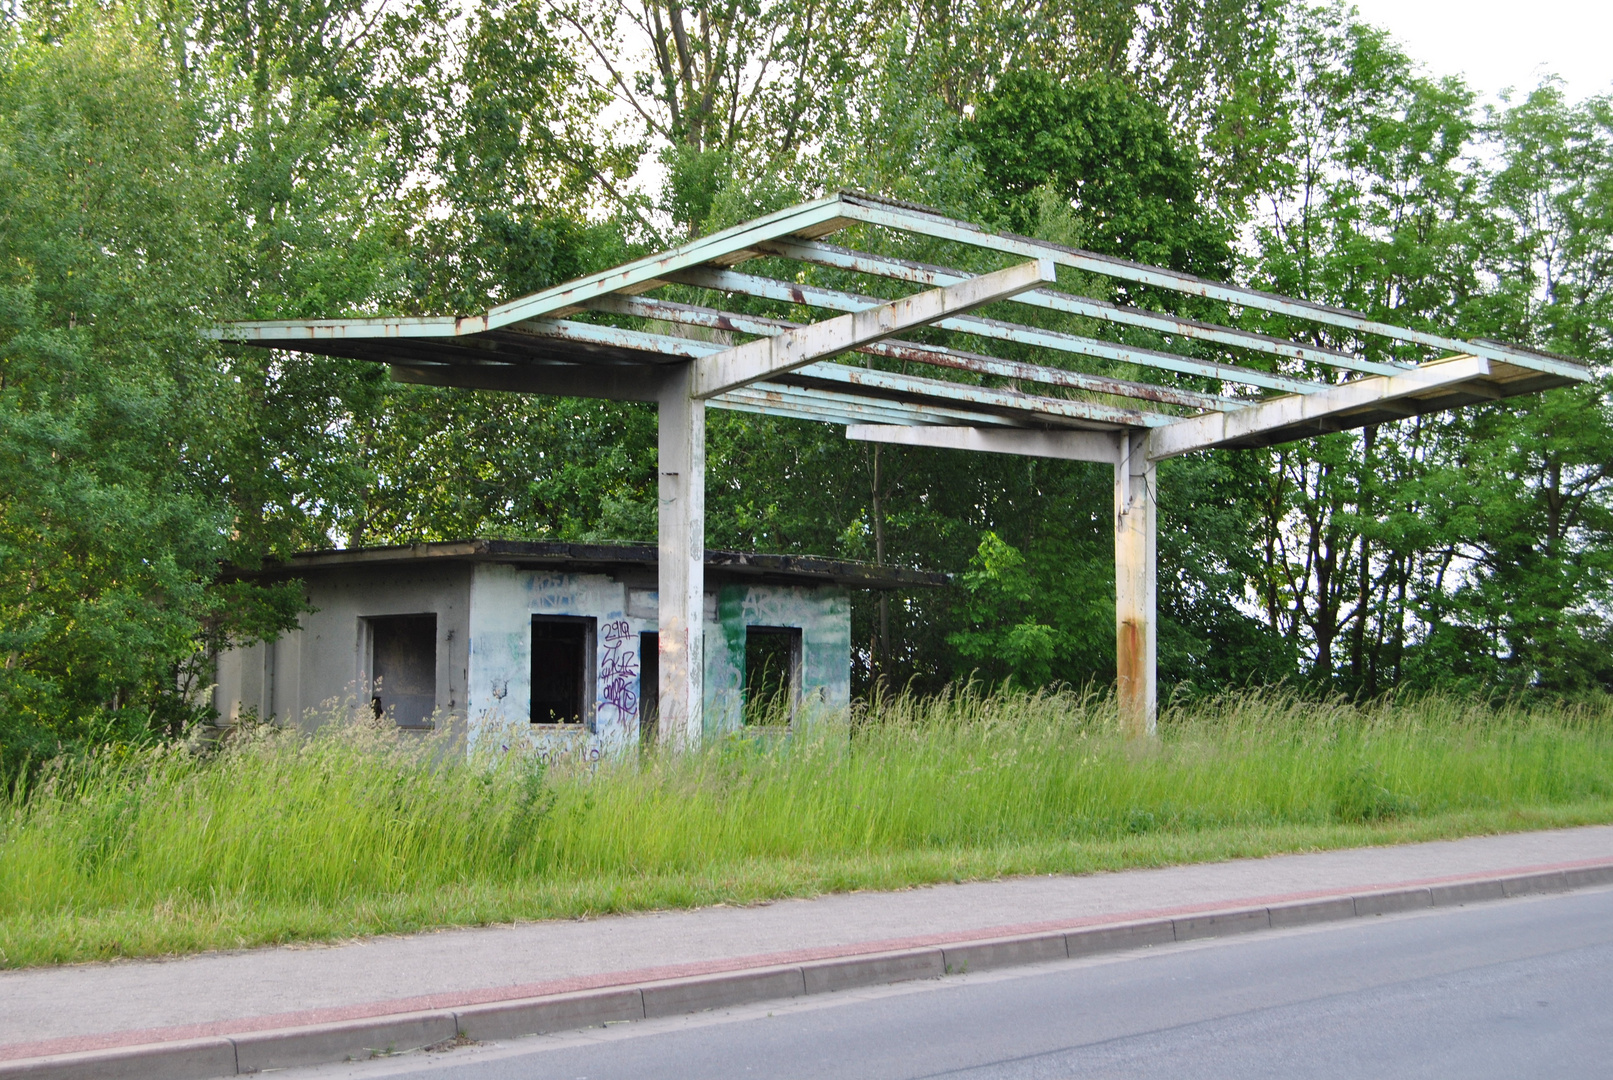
{"points": [[484, 660], [306, 673], [504, 599], [823, 614]]}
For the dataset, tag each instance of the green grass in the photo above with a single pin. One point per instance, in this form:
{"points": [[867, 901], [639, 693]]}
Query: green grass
{"points": [[278, 837]]}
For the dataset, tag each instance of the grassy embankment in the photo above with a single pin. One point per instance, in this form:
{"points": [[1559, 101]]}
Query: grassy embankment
{"points": [[282, 838]]}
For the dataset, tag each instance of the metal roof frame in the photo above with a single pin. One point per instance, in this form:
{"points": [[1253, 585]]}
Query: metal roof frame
{"points": [[1082, 380]]}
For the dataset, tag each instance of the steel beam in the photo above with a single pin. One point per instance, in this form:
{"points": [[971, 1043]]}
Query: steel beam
{"points": [[928, 223], [813, 218], [770, 356], [939, 391], [835, 300], [763, 399], [270, 332], [839, 258], [647, 307], [1216, 429], [617, 383], [1098, 446], [616, 338], [1037, 408], [867, 407]]}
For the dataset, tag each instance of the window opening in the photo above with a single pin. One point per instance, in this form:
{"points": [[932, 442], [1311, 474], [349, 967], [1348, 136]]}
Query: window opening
{"points": [[403, 667], [649, 688], [772, 674], [562, 653]]}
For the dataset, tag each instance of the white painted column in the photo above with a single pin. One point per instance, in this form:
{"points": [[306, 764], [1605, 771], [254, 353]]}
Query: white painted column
{"points": [[1136, 491], [682, 534]]}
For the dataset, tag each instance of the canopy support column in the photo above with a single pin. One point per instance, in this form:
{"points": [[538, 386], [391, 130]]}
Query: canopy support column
{"points": [[1136, 491], [681, 479]]}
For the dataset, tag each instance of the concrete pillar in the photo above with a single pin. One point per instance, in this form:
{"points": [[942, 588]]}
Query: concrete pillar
{"points": [[1136, 491], [682, 534]]}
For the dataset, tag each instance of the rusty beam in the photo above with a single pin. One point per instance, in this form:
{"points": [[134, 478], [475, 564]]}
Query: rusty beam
{"points": [[839, 258], [912, 352], [770, 356], [836, 300]]}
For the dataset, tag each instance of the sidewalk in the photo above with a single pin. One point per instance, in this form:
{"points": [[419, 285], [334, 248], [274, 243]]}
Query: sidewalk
{"points": [[59, 1010]]}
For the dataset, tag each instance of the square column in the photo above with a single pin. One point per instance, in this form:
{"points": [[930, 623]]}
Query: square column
{"points": [[1136, 496], [681, 479]]}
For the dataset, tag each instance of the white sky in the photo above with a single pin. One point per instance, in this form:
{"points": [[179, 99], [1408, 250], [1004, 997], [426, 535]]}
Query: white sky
{"points": [[1500, 43]]}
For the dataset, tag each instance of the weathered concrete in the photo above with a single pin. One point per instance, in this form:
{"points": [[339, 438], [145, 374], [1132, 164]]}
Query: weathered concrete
{"points": [[1383, 903], [681, 524], [187, 1059], [511, 1019], [1221, 924], [342, 1041], [1305, 913], [1136, 624], [823, 615], [827, 976], [484, 650], [309, 673], [1006, 952], [711, 992]]}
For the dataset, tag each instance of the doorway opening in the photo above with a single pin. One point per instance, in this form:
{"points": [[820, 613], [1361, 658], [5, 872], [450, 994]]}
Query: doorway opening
{"points": [[562, 663], [772, 674], [403, 668], [649, 688]]}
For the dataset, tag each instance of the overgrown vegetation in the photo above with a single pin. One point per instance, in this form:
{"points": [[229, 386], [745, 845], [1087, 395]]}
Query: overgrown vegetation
{"points": [[275, 836]]}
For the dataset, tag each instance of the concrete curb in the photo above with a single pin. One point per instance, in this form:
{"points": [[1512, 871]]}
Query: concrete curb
{"points": [[379, 1036]]}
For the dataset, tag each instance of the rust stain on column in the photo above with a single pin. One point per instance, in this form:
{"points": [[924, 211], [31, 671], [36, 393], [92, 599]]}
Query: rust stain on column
{"points": [[1129, 675]]}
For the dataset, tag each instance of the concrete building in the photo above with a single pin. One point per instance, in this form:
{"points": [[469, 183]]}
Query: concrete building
{"points": [[559, 640]]}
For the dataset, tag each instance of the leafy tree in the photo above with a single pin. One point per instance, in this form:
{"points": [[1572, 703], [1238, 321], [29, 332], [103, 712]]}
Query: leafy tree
{"points": [[1108, 152], [1006, 604], [1529, 603], [1377, 214], [112, 404]]}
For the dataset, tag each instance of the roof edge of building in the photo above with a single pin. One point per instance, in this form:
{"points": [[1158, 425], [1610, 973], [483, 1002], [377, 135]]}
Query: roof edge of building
{"points": [[580, 556]]}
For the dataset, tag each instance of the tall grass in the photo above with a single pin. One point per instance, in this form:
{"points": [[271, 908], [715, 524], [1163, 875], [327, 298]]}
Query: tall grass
{"points": [[276, 836]]}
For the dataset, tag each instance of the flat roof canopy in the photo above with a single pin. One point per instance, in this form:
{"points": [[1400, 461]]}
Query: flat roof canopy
{"points": [[606, 335]]}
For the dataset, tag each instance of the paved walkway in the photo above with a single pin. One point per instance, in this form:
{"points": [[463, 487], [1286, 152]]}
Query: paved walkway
{"points": [[277, 987]]}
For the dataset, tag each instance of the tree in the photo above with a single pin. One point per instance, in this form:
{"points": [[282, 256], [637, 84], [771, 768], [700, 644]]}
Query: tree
{"points": [[1110, 154], [112, 404], [1530, 604]]}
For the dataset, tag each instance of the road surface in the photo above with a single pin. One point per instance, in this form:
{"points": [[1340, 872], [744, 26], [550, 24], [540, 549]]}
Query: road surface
{"points": [[1518, 988]]}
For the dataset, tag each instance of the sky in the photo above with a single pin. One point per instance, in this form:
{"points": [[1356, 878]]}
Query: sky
{"points": [[1501, 43]]}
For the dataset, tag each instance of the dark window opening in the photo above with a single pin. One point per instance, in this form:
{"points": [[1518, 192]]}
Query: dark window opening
{"points": [[772, 674], [403, 667], [649, 688], [561, 652]]}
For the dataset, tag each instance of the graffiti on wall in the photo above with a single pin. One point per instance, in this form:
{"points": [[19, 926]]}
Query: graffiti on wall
{"points": [[618, 674]]}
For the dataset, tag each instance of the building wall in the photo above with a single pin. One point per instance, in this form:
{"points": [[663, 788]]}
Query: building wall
{"points": [[484, 660], [319, 667], [504, 599], [823, 613]]}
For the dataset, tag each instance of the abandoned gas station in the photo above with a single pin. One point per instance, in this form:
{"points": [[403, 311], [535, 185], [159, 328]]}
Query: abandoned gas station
{"points": [[1197, 385]]}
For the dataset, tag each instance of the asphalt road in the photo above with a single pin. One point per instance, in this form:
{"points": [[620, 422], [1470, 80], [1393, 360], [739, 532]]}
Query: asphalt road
{"points": [[1520, 988]]}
